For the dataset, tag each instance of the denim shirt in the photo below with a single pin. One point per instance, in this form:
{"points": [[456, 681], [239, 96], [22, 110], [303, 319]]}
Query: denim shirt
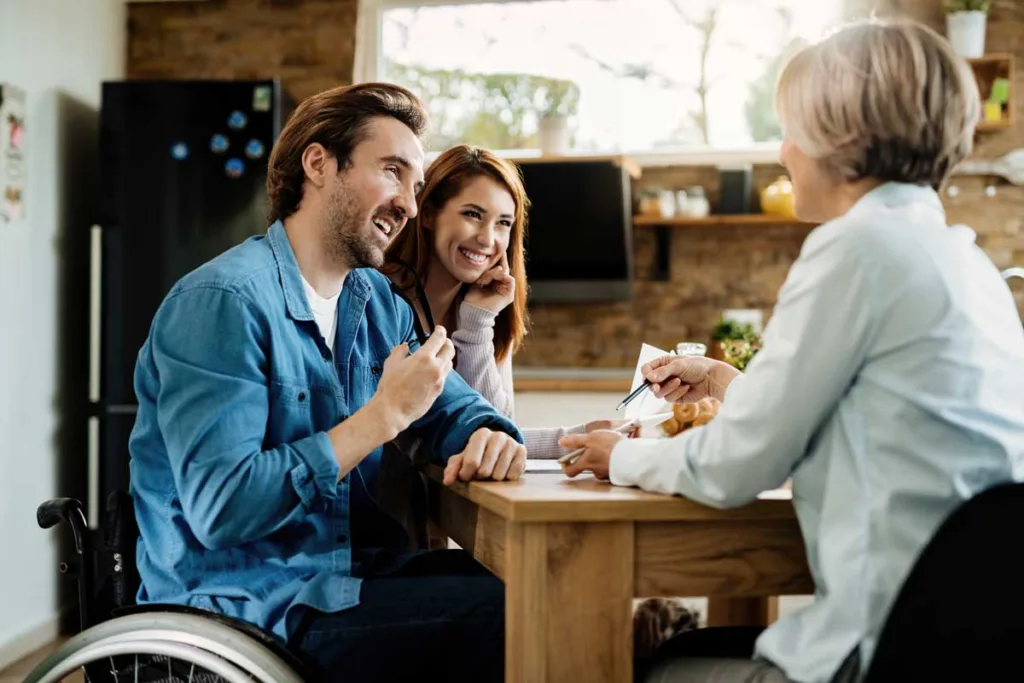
{"points": [[234, 479]]}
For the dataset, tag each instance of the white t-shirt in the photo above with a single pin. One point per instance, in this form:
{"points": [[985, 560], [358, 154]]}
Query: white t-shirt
{"points": [[325, 311]]}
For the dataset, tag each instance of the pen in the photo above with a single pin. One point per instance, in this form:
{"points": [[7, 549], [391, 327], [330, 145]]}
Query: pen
{"points": [[639, 390], [570, 458], [636, 392]]}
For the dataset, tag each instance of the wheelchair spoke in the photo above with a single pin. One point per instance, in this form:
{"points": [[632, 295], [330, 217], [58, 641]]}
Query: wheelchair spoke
{"points": [[160, 647]]}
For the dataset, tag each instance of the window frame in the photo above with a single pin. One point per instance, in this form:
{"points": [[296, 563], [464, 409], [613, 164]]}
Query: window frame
{"points": [[367, 67]]}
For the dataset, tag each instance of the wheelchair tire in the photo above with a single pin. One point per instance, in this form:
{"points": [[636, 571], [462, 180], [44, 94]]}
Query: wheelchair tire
{"points": [[222, 650]]}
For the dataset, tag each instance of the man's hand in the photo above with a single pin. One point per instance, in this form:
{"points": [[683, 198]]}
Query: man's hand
{"points": [[495, 289], [693, 377], [597, 458], [488, 455], [410, 384]]}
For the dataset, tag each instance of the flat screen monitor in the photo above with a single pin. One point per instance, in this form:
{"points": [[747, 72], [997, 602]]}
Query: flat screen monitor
{"points": [[579, 241]]}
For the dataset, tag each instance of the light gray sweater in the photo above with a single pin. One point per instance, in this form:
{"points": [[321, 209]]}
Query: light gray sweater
{"points": [[474, 344]]}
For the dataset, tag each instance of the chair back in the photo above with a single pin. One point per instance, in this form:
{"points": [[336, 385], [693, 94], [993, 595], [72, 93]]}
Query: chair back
{"points": [[960, 612]]}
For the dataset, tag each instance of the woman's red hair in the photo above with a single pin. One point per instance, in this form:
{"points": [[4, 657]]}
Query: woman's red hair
{"points": [[443, 180]]}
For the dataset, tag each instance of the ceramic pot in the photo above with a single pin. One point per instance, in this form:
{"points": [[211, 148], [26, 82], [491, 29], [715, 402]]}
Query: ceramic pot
{"points": [[966, 33]]}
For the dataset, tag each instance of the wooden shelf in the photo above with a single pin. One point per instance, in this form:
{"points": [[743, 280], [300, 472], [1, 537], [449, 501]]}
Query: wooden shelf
{"points": [[618, 159], [718, 219], [607, 385], [986, 70], [993, 126], [991, 58], [662, 228]]}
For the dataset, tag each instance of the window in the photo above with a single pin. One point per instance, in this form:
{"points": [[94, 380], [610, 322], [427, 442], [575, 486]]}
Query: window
{"points": [[631, 75]]}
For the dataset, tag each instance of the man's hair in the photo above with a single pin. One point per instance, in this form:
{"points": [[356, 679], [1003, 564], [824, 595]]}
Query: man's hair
{"points": [[888, 100], [339, 120]]}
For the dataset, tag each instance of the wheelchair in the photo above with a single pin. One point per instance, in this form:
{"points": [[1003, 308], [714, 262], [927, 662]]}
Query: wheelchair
{"points": [[122, 641]]}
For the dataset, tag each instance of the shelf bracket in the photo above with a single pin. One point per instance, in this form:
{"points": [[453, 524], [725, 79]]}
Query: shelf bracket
{"points": [[662, 253]]}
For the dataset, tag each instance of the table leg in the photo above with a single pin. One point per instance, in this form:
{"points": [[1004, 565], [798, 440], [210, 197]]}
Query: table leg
{"points": [[569, 590]]}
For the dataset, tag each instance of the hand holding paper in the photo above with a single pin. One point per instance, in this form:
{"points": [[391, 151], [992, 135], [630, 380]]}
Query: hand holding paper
{"points": [[689, 378], [646, 404]]}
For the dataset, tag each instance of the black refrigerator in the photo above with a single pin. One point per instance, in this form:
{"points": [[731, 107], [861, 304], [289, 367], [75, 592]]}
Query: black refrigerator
{"points": [[183, 168]]}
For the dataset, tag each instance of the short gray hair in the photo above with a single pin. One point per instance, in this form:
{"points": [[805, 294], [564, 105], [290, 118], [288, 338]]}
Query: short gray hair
{"points": [[888, 100]]}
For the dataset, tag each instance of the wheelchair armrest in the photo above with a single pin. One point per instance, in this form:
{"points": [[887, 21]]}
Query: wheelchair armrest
{"points": [[54, 511]]}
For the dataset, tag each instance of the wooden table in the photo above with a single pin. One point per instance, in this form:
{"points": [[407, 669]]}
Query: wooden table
{"points": [[575, 553]]}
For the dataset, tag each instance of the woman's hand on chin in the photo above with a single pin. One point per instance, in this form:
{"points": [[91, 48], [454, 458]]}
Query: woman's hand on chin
{"points": [[495, 289]]}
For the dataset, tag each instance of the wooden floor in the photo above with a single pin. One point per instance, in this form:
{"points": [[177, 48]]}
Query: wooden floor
{"points": [[17, 672]]}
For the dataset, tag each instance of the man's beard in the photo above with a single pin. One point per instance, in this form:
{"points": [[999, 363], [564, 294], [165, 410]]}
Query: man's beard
{"points": [[348, 239]]}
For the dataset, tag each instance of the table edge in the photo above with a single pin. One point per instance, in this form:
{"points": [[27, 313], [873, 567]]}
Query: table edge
{"points": [[672, 509]]}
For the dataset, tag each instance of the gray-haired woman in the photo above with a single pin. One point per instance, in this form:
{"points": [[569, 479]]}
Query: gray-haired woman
{"points": [[889, 383]]}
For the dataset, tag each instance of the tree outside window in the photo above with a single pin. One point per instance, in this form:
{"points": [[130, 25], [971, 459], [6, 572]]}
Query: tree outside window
{"points": [[633, 75]]}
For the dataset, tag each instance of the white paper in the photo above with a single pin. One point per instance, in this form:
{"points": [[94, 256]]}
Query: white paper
{"points": [[543, 465], [646, 404]]}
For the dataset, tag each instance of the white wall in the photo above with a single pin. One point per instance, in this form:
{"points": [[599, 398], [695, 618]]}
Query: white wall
{"points": [[565, 409], [58, 51]]}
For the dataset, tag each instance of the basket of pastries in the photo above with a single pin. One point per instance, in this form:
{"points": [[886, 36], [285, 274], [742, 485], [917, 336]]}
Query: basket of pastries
{"points": [[689, 415]]}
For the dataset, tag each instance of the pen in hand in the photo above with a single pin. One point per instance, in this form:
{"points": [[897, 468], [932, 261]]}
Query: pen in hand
{"points": [[636, 392], [570, 458], [639, 390]]}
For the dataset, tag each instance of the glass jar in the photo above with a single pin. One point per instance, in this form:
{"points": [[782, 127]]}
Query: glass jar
{"points": [[698, 205], [691, 349], [648, 203]]}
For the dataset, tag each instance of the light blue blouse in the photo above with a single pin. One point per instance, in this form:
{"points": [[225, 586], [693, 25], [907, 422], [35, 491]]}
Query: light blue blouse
{"points": [[890, 387]]}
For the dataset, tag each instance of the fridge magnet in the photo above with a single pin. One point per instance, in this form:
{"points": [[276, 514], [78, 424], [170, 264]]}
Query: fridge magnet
{"points": [[219, 144], [234, 168], [237, 120], [12, 153], [261, 98], [254, 150]]}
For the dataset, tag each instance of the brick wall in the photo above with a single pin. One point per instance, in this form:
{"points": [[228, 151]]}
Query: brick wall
{"points": [[310, 44]]}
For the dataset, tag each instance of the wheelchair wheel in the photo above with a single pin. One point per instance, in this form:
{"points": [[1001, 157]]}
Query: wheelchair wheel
{"points": [[165, 648]]}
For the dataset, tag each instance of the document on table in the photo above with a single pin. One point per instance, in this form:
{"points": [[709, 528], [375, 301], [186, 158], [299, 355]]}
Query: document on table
{"points": [[543, 465], [646, 407]]}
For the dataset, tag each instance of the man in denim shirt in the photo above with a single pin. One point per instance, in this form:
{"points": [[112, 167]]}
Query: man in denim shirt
{"points": [[270, 380]]}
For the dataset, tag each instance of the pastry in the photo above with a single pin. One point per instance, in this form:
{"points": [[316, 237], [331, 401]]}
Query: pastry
{"points": [[689, 415]]}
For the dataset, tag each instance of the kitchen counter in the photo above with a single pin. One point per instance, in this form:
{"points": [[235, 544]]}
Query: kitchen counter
{"points": [[538, 379]]}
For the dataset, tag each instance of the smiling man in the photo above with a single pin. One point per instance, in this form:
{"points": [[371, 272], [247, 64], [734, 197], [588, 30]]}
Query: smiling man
{"points": [[272, 377]]}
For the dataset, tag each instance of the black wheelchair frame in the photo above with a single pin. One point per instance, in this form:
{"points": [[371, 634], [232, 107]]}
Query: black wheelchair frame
{"points": [[108, 580]]}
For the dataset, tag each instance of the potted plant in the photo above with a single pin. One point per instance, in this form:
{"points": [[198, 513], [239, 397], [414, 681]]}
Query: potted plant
{"points": [[739, 352], [558, 102], [734, 342], [965, 26]]}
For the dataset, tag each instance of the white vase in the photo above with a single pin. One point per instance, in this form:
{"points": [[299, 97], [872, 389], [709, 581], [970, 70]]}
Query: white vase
{"points": [[966, 33], [553, 134]]}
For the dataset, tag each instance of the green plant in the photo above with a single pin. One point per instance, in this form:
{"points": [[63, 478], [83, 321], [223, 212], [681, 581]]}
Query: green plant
{"points": [[727, 328], [497, 110], [738, 341], [739, 352], [966, 5], [559, 98]]}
